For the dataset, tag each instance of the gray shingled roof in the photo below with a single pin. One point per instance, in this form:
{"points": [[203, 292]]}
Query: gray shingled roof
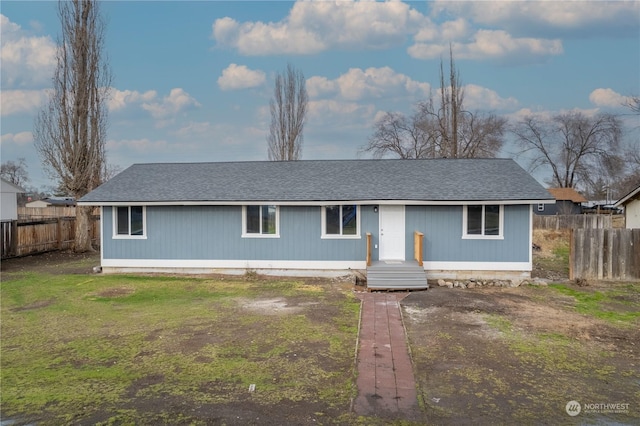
{"points": [[322, 180]]}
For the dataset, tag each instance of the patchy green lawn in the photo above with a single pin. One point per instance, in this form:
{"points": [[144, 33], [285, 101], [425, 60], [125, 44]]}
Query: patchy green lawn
{"points": [[110, 349], [79, 348]]}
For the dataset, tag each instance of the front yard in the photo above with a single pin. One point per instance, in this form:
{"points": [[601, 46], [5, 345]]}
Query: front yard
{"points": [[94, 349], [81, 348]]}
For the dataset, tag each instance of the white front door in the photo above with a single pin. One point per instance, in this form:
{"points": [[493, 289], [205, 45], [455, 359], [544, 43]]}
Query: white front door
{"points": [[391, 232]]}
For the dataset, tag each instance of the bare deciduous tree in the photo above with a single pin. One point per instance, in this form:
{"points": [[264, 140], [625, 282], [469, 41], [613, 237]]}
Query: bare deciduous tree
{"points": [[15, 172], [440, 127], [288, 111], [572, 145], [633, 103], [70, 130]]}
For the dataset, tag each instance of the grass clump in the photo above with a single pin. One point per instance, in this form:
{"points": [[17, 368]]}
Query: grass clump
{"points": [[594, 303]]}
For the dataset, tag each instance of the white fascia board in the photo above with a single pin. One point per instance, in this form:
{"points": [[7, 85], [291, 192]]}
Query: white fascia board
{"points": [[312, 203]]}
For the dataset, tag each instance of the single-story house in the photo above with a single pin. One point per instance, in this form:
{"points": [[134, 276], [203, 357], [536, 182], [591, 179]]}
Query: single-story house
{"points": [[320, 217], [568, 201], [631, 205], [9, 200], [52, 202]]}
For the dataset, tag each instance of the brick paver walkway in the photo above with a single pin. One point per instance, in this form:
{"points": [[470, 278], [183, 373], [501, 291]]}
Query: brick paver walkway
{"points": [[386, 385]]}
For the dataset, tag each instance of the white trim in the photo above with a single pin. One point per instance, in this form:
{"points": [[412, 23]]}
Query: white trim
{"points": [[114, 223], [477, 266], [311, 203], [102, 243], [245, 234], [482, 236], [627, 197], [236, 264], [323, 218], [531, 236]]}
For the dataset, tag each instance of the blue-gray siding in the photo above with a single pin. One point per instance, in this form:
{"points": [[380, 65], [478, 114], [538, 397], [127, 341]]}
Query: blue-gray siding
{"points": [[442, 228], [215, 233]]}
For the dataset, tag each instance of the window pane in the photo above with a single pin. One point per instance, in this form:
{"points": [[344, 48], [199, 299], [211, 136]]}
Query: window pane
{"points": [[136, 220], [474, 220], [491, 220], [253, 219], [268, 219], [122, 220], [349, 222], [333, 220]]}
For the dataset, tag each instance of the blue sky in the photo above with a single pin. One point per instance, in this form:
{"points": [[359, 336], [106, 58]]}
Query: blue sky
{"points": [[192, 80]]}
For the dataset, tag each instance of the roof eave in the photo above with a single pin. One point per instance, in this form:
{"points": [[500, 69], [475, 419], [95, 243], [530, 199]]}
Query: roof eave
{"points": [[311, 202], [627, 197]]}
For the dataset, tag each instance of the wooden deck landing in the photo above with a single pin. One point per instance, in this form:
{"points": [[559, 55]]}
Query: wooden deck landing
{"points": [[396, 275]]}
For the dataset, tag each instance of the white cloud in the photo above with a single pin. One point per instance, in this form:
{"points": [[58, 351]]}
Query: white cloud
{"points": [[489, 44], [608, 98], [177, 101], [313, 27], [372, 83], [22, 138], [240, 77], [477, 97], [542, 17], [120, 99], [325, 107], [27, 61], [21, 101]]}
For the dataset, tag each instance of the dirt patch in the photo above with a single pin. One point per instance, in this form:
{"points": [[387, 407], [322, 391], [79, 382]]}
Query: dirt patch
{"points": [[55, 262], [115, 292], [35, 305], [276, 306]]}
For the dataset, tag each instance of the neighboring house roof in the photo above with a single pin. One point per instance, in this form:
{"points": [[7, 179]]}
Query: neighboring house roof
{"points": [[567, 194], [10, 187], [436, 180], [53, 201], [629, 197]]}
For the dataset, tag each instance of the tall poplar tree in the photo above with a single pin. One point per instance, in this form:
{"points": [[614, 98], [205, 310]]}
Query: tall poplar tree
{"points": [[70, 130]]}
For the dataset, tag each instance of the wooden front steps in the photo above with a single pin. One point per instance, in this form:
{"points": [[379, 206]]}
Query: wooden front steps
{"points": [[396, 275]]}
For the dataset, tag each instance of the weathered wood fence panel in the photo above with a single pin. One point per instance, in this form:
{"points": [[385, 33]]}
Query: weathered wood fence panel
{"points": [[605, 254], [573, 221], [21, 238], [9, 238], [27, 213]]}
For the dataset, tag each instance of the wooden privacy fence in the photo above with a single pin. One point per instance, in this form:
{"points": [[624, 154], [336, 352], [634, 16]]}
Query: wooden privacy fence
{"points": [[27, 213], [605, 254], [21, 238], [573, 221]]}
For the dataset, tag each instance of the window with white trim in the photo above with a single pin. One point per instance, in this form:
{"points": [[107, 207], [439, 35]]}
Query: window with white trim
{"points": [[260, 221], [129, 222], [341, 221], [483, 221]]}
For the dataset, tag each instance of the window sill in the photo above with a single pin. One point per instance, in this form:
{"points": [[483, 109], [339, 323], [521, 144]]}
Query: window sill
{"points": [[341, 237], [260, 235], [129, 237], [483, 237]]}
